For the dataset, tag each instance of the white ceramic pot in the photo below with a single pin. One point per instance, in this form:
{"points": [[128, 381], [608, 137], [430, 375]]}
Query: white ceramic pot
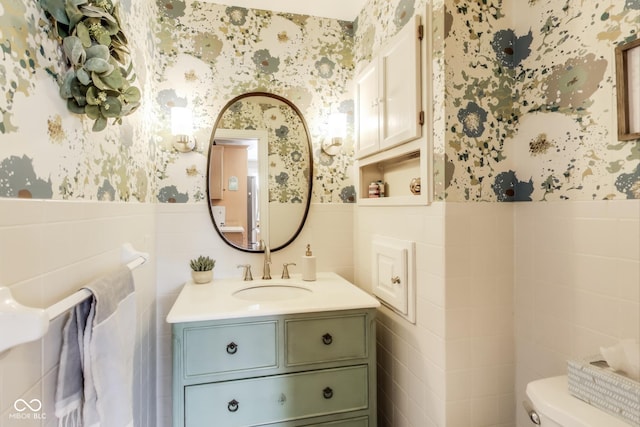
{"points": [[201, 277]]}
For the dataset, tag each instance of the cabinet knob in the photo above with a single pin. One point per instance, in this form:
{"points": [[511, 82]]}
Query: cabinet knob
{"points": [[233, 405], [327, 393], [232, 348], [395, 280], [327, 339]]}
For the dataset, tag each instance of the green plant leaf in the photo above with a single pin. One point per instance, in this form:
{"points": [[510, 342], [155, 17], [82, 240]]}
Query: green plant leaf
{"points": [[129, 108], [65, 87], [97, 81], [98, 65], [103, 37], [119, 54], [111, 107], [74, 15], [114, 80], [83, 34], [83, 76], [74, 107], [92, 111], [122, 39], [99, 124], [129, 68], [112, 27], [78, 92], [61, 31], [96, 47], [92, 96], [98, 51], [74, 50], [56, 9], [97, 12], [131, 95]]}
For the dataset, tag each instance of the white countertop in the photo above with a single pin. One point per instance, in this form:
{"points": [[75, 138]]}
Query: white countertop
{"points": [[216, 300]]}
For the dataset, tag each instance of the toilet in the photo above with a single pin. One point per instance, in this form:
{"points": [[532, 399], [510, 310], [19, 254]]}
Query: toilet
{"points": [[550, 405]]}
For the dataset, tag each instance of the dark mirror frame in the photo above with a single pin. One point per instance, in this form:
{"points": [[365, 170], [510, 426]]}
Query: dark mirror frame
{"points": [[311, 176]]}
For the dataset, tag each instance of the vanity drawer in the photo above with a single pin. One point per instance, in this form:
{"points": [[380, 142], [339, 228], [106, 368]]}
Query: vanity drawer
{"points": [[227, 348], [325, 339], [351, 422], [264, 400]]}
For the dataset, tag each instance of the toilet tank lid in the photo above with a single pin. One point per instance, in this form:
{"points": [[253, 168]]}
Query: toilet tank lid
{"points": [[550, 397]]}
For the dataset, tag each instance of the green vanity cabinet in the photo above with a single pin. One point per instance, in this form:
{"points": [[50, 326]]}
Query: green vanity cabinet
{"points": [[293, 370]]}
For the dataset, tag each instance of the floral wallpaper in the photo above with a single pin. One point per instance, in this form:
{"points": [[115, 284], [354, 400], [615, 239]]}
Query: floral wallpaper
{"points": [[47, 152], [210, 53], [288, 151], [522, 96], [530, 111]]}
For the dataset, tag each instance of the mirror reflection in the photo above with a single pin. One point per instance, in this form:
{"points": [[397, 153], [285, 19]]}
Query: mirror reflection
{"points": [[259, 174]]}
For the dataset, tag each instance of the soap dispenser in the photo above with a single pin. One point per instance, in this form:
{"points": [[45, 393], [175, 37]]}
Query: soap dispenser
{"points": [[309, 265]]}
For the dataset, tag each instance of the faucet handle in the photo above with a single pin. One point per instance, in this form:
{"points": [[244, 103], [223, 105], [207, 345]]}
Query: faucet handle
{"points": [[246, 274], [285, 269]]}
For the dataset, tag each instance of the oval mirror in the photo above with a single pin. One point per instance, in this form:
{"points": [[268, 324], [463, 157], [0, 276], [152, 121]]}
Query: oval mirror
{"points": [[259, 173]]}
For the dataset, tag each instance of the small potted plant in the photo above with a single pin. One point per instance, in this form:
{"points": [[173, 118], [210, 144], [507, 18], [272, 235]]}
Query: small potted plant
{"points": [[202, 269]]}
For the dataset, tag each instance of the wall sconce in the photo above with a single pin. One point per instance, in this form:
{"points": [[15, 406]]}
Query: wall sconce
{"points": [[337, 132], [182, 129]]}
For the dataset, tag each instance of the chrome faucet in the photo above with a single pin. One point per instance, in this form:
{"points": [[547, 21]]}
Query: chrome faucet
{"points": [[266, 271]]}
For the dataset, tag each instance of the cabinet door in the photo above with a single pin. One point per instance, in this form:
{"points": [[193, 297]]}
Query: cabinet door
{"points": [[215, 172], [401, 90], [367, 110]]}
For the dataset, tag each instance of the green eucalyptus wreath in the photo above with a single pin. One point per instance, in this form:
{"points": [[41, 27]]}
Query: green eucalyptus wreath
{"points": [[99, 81]]}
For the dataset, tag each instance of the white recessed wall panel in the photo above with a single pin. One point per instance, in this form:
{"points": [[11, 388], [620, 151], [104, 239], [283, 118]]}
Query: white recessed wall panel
{"points": [[393, 265]]}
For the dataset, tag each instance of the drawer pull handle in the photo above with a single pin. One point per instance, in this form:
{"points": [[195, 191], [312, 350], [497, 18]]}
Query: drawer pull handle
{"points": [[233, 405], [232, 348], [327, 393], [327, 339]]}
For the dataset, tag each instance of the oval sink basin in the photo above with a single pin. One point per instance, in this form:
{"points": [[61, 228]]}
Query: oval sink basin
{"points": [[272, 293]]}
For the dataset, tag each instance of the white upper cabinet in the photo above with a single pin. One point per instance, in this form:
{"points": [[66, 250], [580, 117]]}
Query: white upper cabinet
{"points": [[367, 103], [388, 101]]}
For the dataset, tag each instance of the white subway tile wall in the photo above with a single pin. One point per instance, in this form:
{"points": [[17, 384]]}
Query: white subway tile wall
{"points": [[577, 283], [411, 357], [499, 286], [455, 366], [49, 250], [479, 315]]}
